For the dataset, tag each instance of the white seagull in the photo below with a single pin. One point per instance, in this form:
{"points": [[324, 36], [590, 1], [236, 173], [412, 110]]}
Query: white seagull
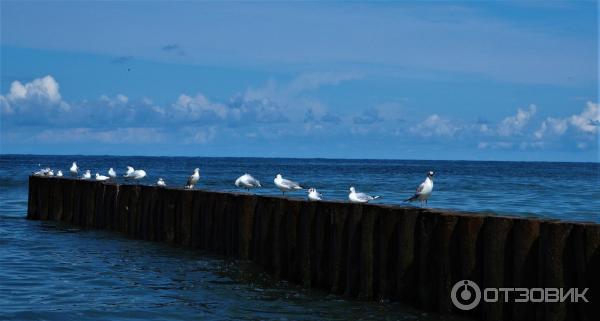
{"points": [[43, 172], [357, 197], [193, 179], [101, 177], [285, 185], [86, 175], [111, 173], [161, 182], [74, 169], [59, 173], [129, 172], [424, 190], [313, 195], [247, 181], [138, 174]]}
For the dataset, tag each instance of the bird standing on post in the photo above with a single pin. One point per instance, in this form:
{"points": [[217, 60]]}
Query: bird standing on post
{"points": [[86, 175], [193, 179], [74, 169], [424, 190], [286, 185]]}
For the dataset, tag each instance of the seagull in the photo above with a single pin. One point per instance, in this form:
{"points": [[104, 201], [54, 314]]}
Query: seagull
{"points": [[138, 174], [111, 173], [357, 197], [74, 169], [43, 172], [161, 182], [247, 181], [59, 173], [50, 173], [424, 190], [193, 179], [86, 175], [129, 172], [285, 185], [101, 177], [313, 195]]}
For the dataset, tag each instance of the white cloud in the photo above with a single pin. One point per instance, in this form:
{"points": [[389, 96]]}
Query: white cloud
{"points": [[280, 102], [435, 125], [551, 125], [39, 95], [194, 108], [45, 88], [587, 122], [119, 100], [589, 119], [514, 124]]}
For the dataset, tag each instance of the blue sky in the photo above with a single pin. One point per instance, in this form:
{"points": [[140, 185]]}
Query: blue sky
{"points": [[405, 80]]}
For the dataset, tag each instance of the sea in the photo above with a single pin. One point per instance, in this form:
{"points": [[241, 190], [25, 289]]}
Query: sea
{"points": [[53, 271]]}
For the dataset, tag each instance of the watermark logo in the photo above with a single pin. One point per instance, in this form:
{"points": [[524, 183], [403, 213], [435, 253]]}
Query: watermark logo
{"points": [[466, 295]]}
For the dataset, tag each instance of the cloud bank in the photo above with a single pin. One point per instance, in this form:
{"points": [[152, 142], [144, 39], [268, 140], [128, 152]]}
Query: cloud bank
{"points": [[36, 111]]}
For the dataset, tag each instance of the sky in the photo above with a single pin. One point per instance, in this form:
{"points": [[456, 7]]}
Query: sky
{"points": [[396, 80]]}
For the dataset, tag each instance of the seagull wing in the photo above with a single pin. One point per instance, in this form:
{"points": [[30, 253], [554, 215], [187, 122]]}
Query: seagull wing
{"points": [[363, 197], [420, 188], [290, 184]]}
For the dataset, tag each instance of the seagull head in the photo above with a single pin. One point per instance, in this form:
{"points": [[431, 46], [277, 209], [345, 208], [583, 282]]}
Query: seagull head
{"points": [[310, 190], [430, 174], [352, 190], [278, 176]]}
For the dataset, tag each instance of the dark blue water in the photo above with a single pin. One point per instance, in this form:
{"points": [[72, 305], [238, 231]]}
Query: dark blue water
{"points": [[58, 272]]}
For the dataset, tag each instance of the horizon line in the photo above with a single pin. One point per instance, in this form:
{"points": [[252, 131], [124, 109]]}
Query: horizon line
{"points": [[323, 158]]}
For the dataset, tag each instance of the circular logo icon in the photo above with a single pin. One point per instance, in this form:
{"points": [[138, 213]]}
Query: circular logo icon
{"points": [[465, 295]]}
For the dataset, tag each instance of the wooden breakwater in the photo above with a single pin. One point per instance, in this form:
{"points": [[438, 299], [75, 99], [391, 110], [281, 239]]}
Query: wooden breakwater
{"points": [[368, 251]]}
